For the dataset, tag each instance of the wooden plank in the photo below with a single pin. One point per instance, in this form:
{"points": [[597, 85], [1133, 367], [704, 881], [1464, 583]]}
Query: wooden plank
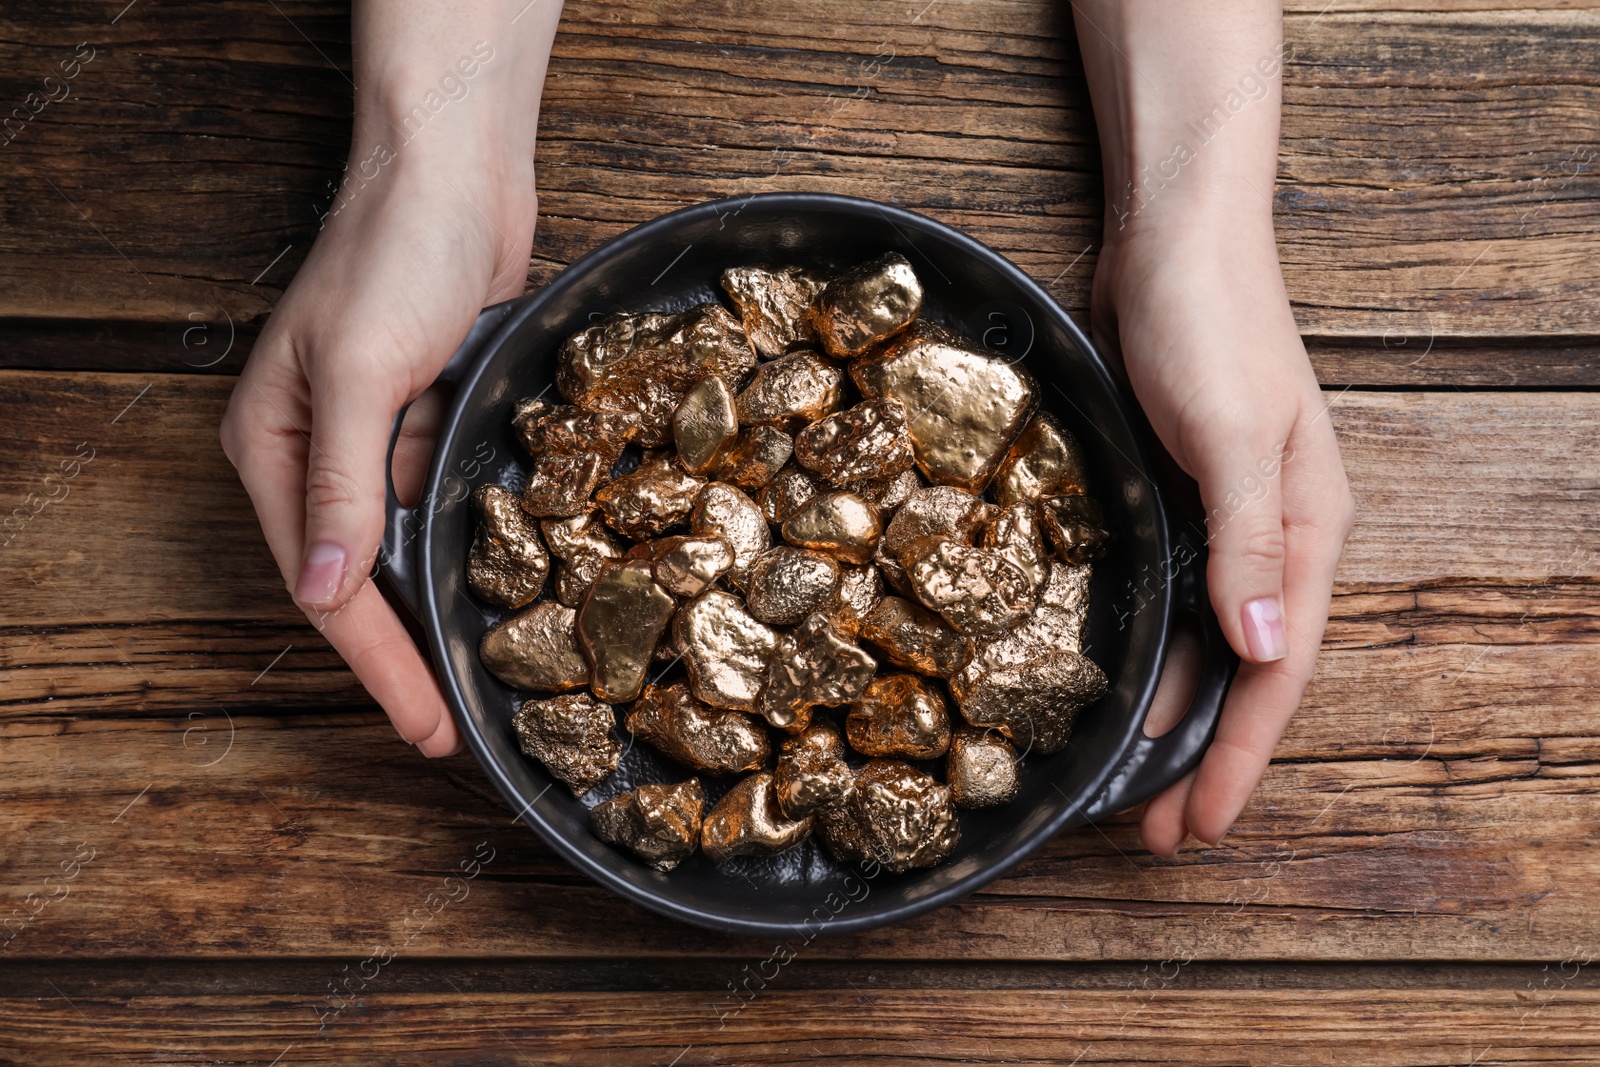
{"points": [[859, 1023], [1409, 201]]}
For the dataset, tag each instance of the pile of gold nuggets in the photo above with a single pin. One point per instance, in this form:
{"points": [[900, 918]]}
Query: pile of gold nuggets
{"points": [[930, 542]]}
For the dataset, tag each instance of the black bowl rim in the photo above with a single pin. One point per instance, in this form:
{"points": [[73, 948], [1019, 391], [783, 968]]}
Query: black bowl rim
{"points": [[430, 610]]}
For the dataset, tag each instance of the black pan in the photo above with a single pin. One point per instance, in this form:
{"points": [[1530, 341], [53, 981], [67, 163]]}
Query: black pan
{"points": [[1153, 574]]}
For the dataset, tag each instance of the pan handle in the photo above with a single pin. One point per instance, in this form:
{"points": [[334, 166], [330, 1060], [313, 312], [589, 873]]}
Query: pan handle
{"points": [[1153, 763], [402, 525]]}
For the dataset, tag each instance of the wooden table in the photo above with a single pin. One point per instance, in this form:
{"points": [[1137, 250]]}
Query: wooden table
{"points": [[210, 833]]}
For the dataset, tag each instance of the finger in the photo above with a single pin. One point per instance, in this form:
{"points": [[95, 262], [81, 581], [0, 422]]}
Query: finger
{"points": [[1264, 697], [344, 486], [367, 634], [265, 435], [1244, 521], [1164, 825]]}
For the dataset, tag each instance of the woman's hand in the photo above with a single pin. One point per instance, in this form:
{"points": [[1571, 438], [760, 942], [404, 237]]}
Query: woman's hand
{"points": [[1188, 287], [434, 221], [1215, 359]]}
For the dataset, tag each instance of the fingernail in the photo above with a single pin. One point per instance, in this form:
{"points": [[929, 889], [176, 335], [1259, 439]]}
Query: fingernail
{"points": [[1263, 630], [321, 574]]}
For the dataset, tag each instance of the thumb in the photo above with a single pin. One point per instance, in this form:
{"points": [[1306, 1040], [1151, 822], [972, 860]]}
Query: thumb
{"points": [[345, 479], [1244, 523]]}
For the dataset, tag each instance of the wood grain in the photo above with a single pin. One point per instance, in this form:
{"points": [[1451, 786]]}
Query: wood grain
{"points": [[1149, 1021], [1410, 203]]}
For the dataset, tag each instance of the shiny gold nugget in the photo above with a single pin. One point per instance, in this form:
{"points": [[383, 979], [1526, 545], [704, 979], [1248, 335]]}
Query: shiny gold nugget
{"points": [[748, 822], [507, 564], [981, 769], [774, 305], [800, 386], [755, 458], [708, 740], [618, 627], [866, 304], [643, 364], [787, 584], [1055, 624], [1035, 703], [725, 509], [888, 493], [685, 565], [811, 772], [859, 593], [725, 649], [899, 715], [868, 441], [812, 666], [965, 407], [568, 430], [572, 736], [915, 638], [648, 501], [1076, 527], [537, 649], [560, 484], [895, 816], [789, 488], [659, 823], [582, 545], [976, 590], [937, 511], [1045, 460], [1015, 534], [705, 426], [838, 524]]}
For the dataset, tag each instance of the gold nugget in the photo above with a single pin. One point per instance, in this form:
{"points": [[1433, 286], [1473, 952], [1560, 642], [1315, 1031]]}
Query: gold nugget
{"points": [[725, 649], [915, 638], [813, 665], [648, 501], [965, 407], [893, 815], [1076, 527], [560, 484], [774, 305], [1045, 460], [618, 627], [704, 427], [866, 304], [787, 584], [976, 590], [643, 364], [537, 649], [708, 740], [659, 823], [789, 488], [981, 769], [938, 511], [811, 772], [888, 493], [747, 821], [582, 545], [868, 441], [801, 386], [859, 593], [1015, 534], [507, 564], [839, 524], [1034, 703], [755, 458], [568, 430], [1056, 622], [899, 715], [572, 736], [685, 566], [725, 509]]}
